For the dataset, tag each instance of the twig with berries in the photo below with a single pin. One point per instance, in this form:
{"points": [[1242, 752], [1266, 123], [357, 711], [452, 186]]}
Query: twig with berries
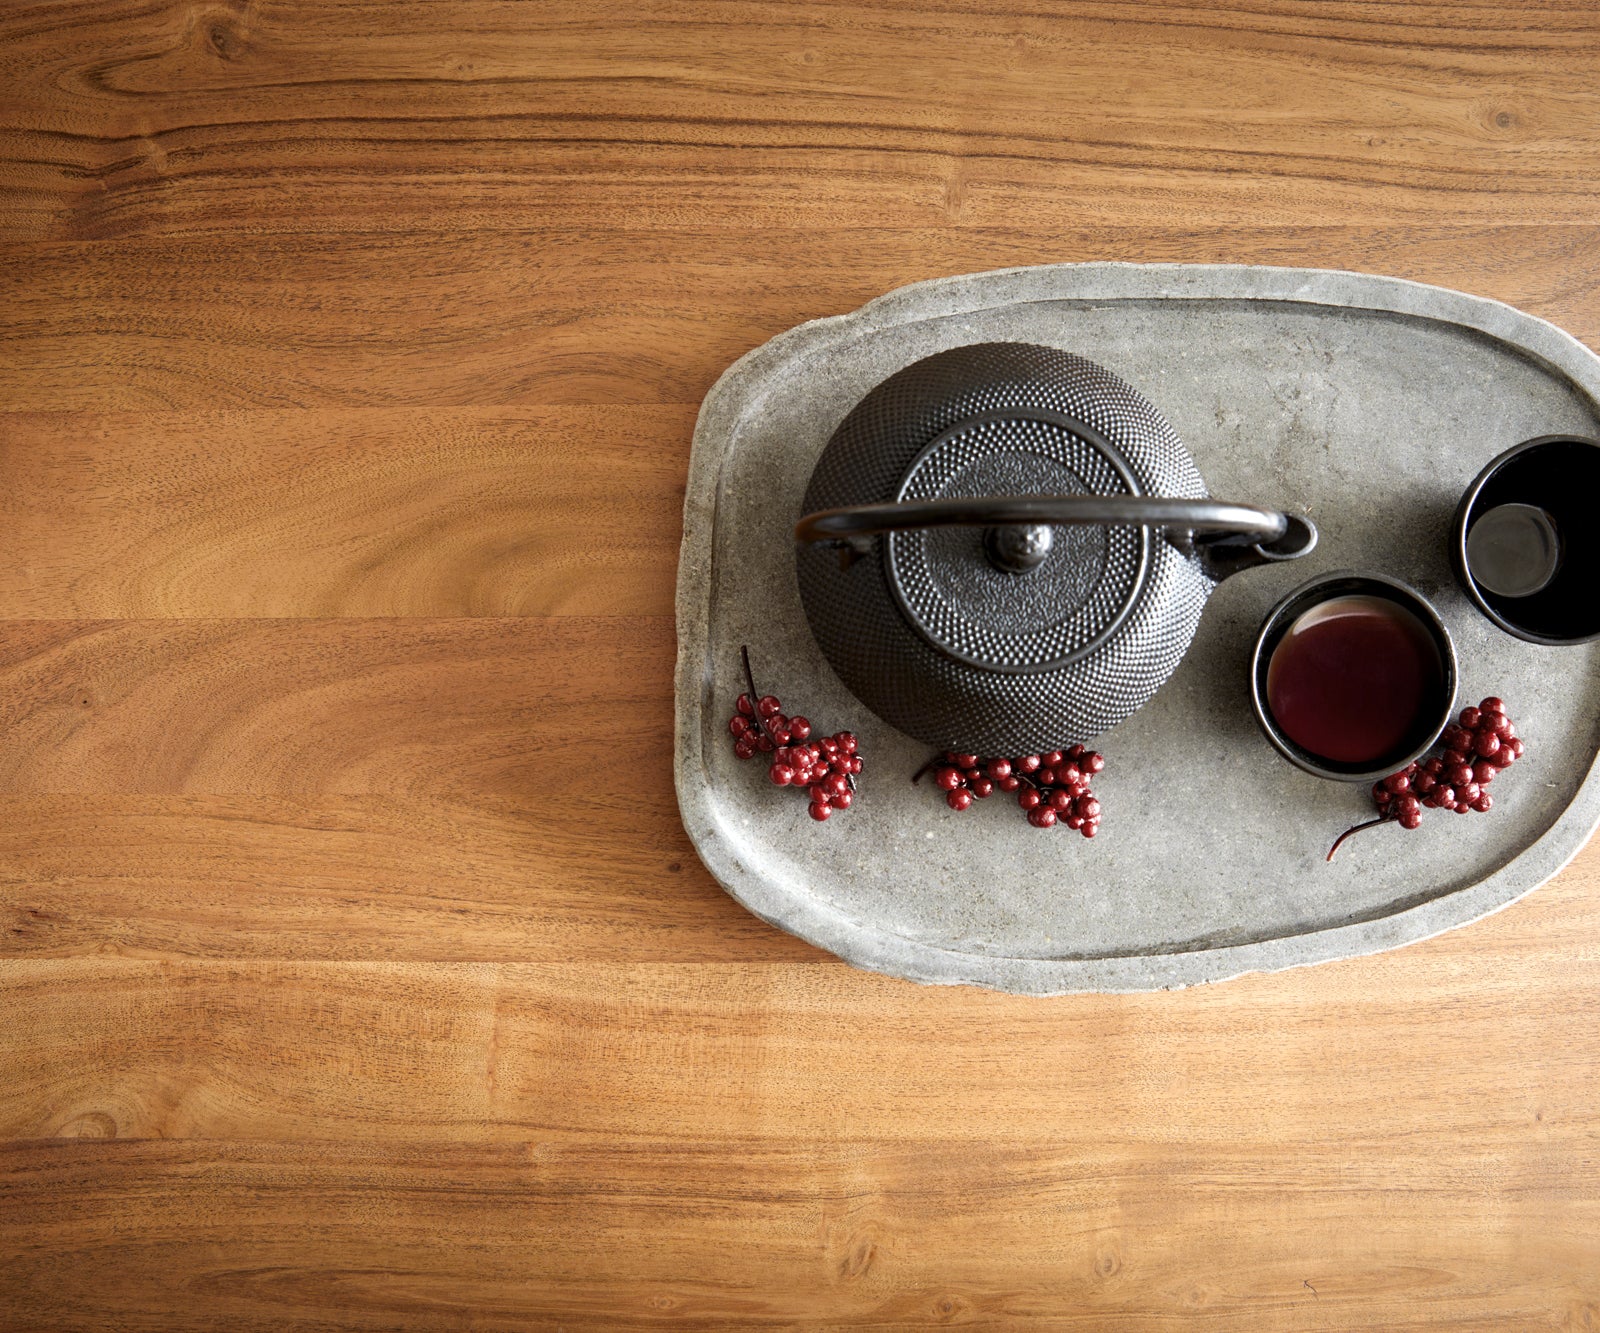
{"points": [[1480, 745], [1051, 788], [824, 769]]}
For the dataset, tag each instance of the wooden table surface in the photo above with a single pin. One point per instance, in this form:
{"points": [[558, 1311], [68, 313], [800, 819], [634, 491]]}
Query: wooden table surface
{"points": [[358, 973]]}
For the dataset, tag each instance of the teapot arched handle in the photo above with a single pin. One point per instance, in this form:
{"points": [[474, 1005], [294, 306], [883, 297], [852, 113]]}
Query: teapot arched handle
{"points": [[1228, 537]]}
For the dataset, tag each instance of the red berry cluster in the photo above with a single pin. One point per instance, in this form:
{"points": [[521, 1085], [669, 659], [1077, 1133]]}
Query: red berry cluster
{"points": [[1479, 746], [1051, 788], [1482, 742], [824, 769]]}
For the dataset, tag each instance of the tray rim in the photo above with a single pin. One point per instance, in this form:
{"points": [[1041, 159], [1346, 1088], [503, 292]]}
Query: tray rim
{"points": [[877, 950]]}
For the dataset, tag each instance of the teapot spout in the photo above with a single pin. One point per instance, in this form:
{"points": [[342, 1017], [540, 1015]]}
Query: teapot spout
{"points": [[1225, 554]]}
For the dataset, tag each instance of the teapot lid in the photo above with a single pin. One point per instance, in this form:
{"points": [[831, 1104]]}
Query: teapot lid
{"points": [[1072, 588]]}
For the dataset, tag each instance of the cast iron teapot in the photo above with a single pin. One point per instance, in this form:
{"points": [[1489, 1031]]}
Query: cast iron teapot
{"points": [[1022, 549]]}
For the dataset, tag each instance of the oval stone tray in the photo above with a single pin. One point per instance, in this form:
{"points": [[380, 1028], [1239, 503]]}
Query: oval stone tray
{"points": [[1369, 404]]}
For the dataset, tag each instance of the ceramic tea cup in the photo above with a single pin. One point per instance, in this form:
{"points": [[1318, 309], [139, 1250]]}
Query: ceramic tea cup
{"points": [[1353, 676], [1525, 545]]}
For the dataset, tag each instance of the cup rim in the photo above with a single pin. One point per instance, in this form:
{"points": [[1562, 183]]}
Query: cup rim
{"points": [[1458, 540], [1409, 597]]}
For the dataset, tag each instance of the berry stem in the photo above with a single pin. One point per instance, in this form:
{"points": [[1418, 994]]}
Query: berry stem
{"points": [[931, 764], [755, 699], [1371, 823]]}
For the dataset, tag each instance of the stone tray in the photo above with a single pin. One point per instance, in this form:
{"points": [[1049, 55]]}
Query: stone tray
{"points": [[1368, 403]]}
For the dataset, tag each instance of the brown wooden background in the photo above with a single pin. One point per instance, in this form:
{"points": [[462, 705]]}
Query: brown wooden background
{"points": [[357, 971]]}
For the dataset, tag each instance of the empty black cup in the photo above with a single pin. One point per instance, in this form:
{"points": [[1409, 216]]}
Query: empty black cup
{"points": [[1526, 545]]}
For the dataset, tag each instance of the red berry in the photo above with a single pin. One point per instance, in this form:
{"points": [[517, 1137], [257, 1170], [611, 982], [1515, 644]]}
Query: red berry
{"points": [[1424, 783], [1076, 752], [1093, 762], [1011, 783], [1433, 767], [835, 783], [1029, 763], [738, 724], [855, 763], [1069, 774], [1053, 758], [1467, 793], [1455, 758], [769, 706], [818, 794], [1444, 794], [1487, 744], [781, 737], [745, 706], [1469, 718], [800, 727], [949, 778], [764, 744], [744, 748], [1090, 828], [966, 761], [781, 774], [1462, 808], [1043, 817], [820, 812], [959, 799], [1029, 798], [1381, 794], [841, 801], [1457, 774], [1045, 777], [982, 787], [998, 768], [1493, 704], [848, 742], [1398, 782], [1503, 728], [1089, 808], [1483, 771], [1060, 800], [1516, 748], [1410, 819], [1482, 804], [1408, 804]]}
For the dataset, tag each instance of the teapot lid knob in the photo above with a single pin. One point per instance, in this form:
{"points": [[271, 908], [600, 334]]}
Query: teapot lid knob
{"points": [[1018, 548]]}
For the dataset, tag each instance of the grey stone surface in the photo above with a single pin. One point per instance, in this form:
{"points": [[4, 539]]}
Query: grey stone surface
{"points": [[1368, 403]]}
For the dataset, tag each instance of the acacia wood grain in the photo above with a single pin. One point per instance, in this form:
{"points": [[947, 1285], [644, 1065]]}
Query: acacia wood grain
{"points": [[294, 115], [373, 877], [1485, 1027], [502, 707], [611, 317], [395, 512], [1327, 1231]]}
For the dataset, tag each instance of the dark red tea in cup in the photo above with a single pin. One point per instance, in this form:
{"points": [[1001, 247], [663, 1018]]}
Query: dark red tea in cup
{"points": [[1354, 678]]}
